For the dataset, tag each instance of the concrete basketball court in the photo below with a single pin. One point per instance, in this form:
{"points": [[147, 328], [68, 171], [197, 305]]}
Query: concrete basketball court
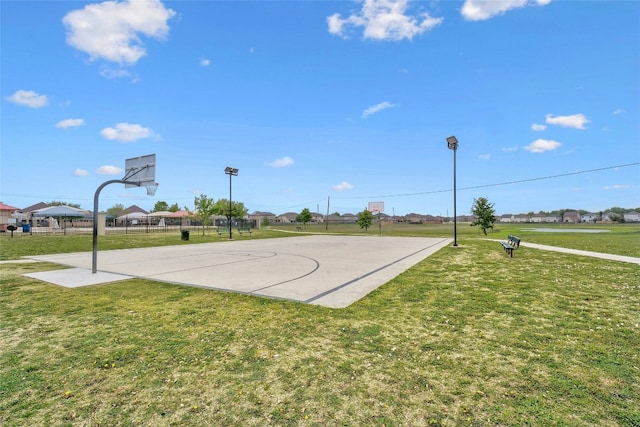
{"points": [[331, 271]]}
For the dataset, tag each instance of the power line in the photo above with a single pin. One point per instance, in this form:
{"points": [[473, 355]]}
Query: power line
{"points": [[496, 184]]}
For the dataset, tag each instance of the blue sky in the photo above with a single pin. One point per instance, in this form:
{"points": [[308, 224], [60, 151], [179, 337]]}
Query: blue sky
{"points": [[350, 101]]}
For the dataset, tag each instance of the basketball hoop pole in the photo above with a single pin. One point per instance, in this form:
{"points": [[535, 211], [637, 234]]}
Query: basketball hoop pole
{"points": [[145, 169], [94, 255]]}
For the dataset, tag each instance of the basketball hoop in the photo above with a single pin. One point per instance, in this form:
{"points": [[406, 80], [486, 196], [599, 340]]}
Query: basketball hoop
{"points": [[151, 189]]}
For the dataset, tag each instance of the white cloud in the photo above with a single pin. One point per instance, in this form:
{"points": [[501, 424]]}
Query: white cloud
{"points": [[480, 10], [111, 30], [484, 156], [538, 128], [383, 20], [28, 98], [542, 145], [576, 121], [109, 170], [510, 149], [126, 132], [618, 111], [80, 172], [282, 162], [69, 123], [115, 73], [376, 108], [344, 185], [616, 187], [204, 62]]}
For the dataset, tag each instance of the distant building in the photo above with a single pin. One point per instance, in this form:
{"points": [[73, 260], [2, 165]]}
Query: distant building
{"points": [[506, 218], [632, 216], [349, 218], [591, 217], [571, 217], [414, 218], [134, 209], [287, 218], [521, 218], [259, 217]]}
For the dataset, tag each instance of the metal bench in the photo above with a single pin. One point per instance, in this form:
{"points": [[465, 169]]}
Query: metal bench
{"points": [[222, 231], [511, 244], [245, 230]]}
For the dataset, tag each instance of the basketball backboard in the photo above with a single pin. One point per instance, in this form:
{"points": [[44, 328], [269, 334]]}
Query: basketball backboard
{"points": [[376, 207], [140, 171]]}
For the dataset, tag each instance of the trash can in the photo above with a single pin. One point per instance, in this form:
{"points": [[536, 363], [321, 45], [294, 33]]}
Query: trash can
{"points": [[26, 228], [185, 234]]}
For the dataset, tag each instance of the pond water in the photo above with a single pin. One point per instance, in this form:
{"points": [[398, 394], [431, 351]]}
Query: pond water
{"points": [[566, 230]]}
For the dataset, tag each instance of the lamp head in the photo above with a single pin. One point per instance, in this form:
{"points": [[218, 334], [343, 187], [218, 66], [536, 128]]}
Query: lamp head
{"points": [[452, 143], [231, 171]]}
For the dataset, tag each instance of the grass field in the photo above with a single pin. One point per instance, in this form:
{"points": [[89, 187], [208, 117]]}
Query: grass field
{"points": [[467, 337]]}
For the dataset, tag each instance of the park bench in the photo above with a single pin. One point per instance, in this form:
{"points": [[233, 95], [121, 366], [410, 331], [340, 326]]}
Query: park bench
{"points": [[511, 244], [222, 231], [299, 228], [245, 230]]}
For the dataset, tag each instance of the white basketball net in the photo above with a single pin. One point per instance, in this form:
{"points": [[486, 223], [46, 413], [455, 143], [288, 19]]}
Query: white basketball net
{"points": [[151, 189]]}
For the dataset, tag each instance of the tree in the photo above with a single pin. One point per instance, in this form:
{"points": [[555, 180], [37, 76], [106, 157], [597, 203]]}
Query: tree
{"points": [[204, 209], [365, 219], [304, 217], [616, 214], [174, 208], [265, 222], [116, 210], [221, 207], [160, 206], [484, 213], [58, 203]]}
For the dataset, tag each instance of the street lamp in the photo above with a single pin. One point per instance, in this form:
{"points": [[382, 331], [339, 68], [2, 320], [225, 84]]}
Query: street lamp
{"points": [[452, 143], [231, 172]]}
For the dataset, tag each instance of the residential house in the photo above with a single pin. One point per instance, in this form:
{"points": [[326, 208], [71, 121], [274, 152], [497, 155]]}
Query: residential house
{"points": [[383, 217], [334, 219], [26, 214], [632, 216], [349, 218], [571, 217], [414, 218], [259, 217], [6, 216], [552, 218], [591, 217], [287, 218], [537, 218], [521, 218], [397, 219], [506, 218], [133, 209]]}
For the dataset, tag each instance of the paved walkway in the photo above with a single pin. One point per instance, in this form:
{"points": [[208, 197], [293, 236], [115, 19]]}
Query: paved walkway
{"points": [[601, 255]]}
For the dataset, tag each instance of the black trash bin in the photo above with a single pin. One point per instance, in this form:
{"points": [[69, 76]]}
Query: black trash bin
{"points": [[185, 234]]}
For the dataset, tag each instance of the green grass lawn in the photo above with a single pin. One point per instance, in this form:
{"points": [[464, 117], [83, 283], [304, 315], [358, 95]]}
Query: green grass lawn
{"points": [[467, 337]]}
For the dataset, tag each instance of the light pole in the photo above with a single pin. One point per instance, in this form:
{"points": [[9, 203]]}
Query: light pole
{"points": [[452, 143], [231, 172]]}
